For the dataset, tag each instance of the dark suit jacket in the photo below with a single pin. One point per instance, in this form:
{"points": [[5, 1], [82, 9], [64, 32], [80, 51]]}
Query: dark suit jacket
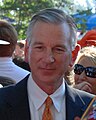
{"points": [[14, 102]]}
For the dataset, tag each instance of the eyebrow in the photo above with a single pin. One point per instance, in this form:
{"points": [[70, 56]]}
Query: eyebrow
{"points": [[40, 43], [62, 46], [59, 45]]}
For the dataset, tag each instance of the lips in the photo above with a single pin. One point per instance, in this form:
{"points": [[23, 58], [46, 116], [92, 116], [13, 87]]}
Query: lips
{"points": [[48, 69]]}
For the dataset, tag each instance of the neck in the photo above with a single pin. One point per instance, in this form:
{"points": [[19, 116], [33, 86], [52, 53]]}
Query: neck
{"points": [[50, 88]]}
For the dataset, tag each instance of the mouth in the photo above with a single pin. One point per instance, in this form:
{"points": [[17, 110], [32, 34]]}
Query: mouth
{"points": [[47, 69]]}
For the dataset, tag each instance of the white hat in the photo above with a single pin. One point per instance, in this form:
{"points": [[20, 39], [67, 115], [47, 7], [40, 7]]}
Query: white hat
{"points": [[3, 42], [1, 86]]}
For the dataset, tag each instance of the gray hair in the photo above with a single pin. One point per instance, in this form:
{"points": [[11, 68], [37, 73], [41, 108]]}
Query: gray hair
{"points": [[54, 16]]}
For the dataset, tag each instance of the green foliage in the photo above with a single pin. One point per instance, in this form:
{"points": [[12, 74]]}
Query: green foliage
{"points": [[67, 5], [82, 19], [21, 11]]}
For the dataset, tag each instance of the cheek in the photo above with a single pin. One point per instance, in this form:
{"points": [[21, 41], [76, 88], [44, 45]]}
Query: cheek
{"points": [[66, 58], [92, 81], [76, 78], [64, 62], [30, 55], [34, 57], [94, 86]]}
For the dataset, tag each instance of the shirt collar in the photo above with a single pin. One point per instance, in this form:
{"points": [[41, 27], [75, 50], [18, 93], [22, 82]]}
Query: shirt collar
{"points": [[38, 96], [58, 96], [4, 59]]}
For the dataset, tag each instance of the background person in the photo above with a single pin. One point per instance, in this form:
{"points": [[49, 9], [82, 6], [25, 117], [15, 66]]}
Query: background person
{"points": [[19, 56], [50, 41], [19, 50], [85, 70], [7, 67], [21, 63]]}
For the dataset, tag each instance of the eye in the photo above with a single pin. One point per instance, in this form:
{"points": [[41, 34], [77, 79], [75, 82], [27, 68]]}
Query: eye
{"points": [[39, 48], [59, 50]]}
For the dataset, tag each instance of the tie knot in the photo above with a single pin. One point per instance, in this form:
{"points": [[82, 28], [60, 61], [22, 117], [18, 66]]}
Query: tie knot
{"points": [[48, 102]]}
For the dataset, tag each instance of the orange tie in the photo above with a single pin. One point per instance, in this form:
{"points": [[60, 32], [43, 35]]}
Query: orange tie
{"points": [[47, 115]]}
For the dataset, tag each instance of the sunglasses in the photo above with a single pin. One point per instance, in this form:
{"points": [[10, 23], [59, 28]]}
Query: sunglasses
{"points": [[89, 71]]}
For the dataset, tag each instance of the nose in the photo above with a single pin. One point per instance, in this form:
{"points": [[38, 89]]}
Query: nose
{"points": [[49, 57]]}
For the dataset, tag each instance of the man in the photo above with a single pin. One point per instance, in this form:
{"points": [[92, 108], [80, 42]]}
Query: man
{"points": [[50, 41], [8, 41]]}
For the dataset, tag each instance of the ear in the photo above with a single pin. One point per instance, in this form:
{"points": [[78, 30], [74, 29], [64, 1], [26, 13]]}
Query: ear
{"points": [[26, 51], [75, 53]]}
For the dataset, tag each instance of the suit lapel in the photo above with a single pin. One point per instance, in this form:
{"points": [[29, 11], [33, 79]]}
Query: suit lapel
{"points": [[18, 105], [72, 106]]}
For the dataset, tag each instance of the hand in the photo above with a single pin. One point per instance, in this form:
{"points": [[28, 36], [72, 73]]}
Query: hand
{"points": [[76, 118], [85, 86]]}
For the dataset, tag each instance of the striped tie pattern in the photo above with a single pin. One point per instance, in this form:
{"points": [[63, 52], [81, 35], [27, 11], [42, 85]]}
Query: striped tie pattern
{"points": [[47, 115]]}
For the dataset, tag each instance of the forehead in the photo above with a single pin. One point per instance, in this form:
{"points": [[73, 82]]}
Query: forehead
{"points": [[86, 61], [50, 32]]}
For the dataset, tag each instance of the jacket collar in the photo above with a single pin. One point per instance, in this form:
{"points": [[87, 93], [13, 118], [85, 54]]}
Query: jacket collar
{"points": [[18, 107], [74, 102]]}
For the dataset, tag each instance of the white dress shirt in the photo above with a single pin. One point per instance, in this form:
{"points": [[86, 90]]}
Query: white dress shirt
{"points": [[9, 69], [37, 98]]}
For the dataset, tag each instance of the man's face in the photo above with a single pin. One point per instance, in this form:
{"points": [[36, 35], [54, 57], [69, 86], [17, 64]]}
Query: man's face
{"points": [[49, 53]]}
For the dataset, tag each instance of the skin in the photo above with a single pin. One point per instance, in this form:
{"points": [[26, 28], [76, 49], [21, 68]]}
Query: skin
{"points": [[77, 118], [18, 51], [49, 55], [82, 81]]}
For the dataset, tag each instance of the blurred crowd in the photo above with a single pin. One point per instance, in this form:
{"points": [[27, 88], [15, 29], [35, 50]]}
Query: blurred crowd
{"points": [[82, 73], [50, 65]]}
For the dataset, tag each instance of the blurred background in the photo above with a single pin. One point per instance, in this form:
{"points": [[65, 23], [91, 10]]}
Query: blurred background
{"points": [[18, 13]]}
